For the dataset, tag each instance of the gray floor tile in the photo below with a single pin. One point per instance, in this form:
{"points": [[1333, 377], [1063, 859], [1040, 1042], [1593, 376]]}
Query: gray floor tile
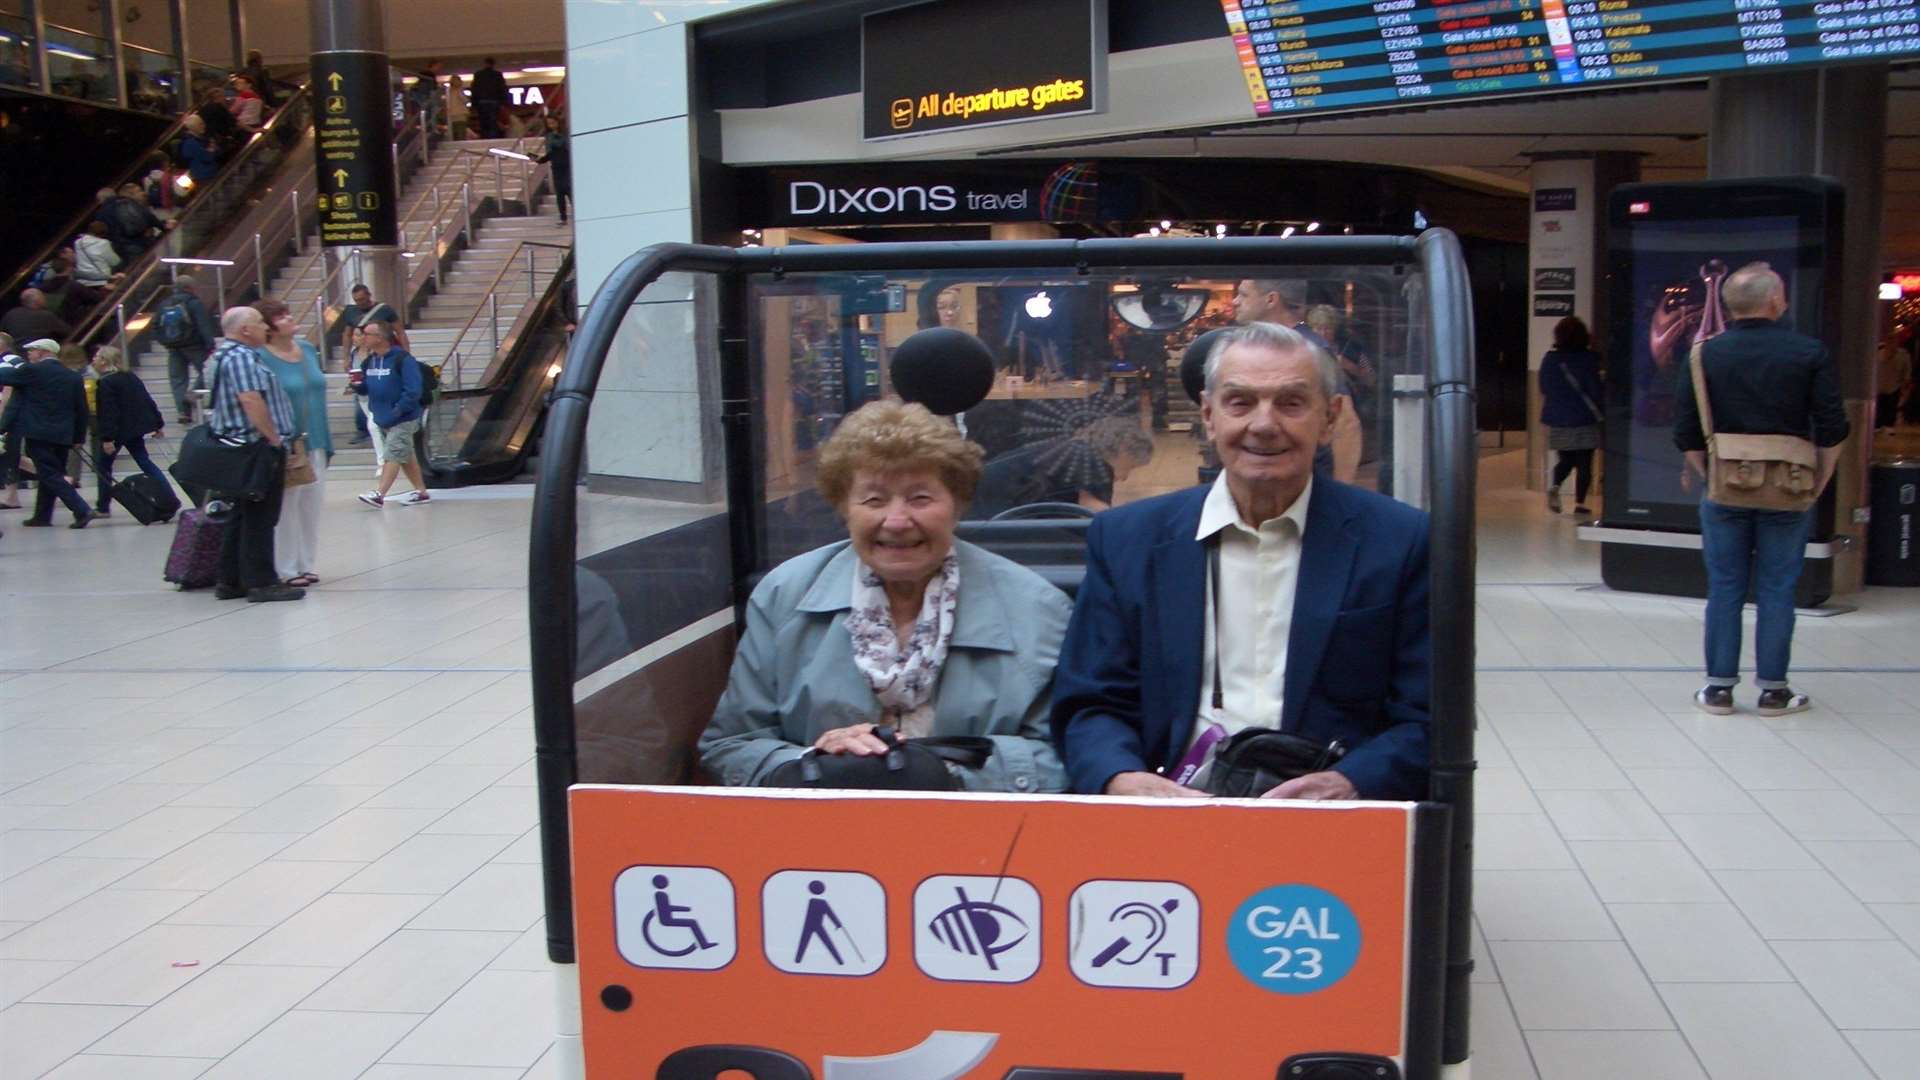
{"points": [[88, 927], [494, 897], [216, 1013], [1645, 872], [1550, 768], [1826, 815], [121, 1067], [1892, 791], [39, 1037], [266, 894], [1903, 919], [496, 1019], [1540, 905], [1692, 791], [426, 864], [1604, 815], [1891, 1054], [1887, 873], [1519, 842], [1781, 768], [148, 966], [1499, 1049], [1799, 905], [207, 863], [1859, 984], [1696, 943], [1578, 985], [361, 835], [412, 971], [1760, 1031], [20, 978], [1613, 1055], [1740, 842], [304, 1045], [1502, 790], [333, 931]]}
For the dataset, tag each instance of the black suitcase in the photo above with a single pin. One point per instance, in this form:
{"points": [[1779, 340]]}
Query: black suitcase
{"points": [[147, 499]]}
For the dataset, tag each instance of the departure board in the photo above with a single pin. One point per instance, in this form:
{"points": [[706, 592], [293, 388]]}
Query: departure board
{"points": [[1342, 54]]}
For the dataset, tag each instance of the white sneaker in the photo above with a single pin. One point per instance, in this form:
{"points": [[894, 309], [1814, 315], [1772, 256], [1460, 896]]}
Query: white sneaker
{"points": [[414, 498], [373, 499]]}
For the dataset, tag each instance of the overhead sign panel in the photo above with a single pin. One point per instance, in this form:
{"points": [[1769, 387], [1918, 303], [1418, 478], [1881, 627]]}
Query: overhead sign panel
{"points": [[958, 64], [353, 127], [1321, 55], [1008, 938]]}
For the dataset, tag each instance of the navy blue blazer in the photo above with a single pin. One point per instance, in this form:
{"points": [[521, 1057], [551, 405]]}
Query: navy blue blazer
{"points": [[1358, 654]]}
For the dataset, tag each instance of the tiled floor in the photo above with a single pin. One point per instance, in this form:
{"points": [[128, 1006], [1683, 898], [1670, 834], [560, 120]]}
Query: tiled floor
{"points": [[294, 840]]}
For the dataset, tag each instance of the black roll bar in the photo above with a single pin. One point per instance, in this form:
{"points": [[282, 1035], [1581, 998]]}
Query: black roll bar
{"points": [[1450, 390]]}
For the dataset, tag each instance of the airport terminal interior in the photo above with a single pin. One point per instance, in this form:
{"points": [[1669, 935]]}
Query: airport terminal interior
{"points": [[304, 840]]}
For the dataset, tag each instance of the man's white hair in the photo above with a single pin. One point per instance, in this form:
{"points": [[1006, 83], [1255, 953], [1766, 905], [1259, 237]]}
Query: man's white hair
{"points": [[1748, 290], [1266, 335], [236, 317]]}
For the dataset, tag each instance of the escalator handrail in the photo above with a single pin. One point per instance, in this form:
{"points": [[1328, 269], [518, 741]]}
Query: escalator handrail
{"points": [[108, 310], [487, 305], [78, 223], [533, 314]]}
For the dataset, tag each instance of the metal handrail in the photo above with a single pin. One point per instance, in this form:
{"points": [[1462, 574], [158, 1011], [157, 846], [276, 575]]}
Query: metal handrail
{"points": [[443, 237], [452, 367], [112, 310], [78, 223], [500, 184]]}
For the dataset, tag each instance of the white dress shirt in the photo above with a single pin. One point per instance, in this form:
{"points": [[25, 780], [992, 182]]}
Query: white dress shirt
{"points": [[1259, 572]]}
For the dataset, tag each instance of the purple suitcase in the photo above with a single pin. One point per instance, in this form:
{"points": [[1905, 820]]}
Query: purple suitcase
{"points": [[194, 561]]}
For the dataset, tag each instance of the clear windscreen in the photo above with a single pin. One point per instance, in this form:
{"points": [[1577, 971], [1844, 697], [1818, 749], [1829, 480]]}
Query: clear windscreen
{"points": [[1086, 409]]}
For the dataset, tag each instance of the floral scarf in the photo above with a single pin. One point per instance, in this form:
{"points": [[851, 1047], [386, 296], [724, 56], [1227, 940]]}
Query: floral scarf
{"points": [[903, 678]]}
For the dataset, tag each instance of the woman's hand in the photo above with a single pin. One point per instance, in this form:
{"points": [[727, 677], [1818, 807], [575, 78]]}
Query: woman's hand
{"points": [[858, 740]]}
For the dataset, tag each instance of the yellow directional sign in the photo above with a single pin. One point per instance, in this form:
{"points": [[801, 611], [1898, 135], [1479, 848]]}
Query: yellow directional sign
{"points": [[336, 105], [339, 178], [353, 150], [334, 80]]}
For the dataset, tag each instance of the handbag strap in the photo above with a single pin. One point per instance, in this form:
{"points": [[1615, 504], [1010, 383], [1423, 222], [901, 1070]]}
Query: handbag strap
{"points": [[1598, 417], [1699, 366]]}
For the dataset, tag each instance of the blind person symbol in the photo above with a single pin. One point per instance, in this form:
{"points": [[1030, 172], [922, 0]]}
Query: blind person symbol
{"points": [[821, 922]]}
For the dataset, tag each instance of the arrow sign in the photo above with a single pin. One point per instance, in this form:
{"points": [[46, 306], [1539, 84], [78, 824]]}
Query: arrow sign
{"points": [[339, 178], [333, 82]]}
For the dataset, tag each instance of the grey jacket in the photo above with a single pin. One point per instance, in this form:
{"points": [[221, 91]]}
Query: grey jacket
{"points": [[793, 676]]}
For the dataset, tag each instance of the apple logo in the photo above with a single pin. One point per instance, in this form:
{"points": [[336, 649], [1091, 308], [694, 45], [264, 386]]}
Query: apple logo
{"points": [[1039, 305]]}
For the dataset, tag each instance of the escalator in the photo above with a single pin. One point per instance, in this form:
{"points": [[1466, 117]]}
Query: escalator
{"points": [[484, 432]]}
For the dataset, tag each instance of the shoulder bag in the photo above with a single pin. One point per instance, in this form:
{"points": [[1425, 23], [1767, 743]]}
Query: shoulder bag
{"points": [[236, 469], [1758, 472], [908, 765], [1255, 761]]}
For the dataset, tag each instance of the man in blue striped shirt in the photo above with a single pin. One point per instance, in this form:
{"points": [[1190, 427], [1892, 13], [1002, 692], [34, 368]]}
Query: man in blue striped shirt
{"points": [[249, 405]]}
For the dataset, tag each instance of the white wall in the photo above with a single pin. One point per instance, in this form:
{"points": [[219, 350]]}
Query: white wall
{"points": [[633, 162]]}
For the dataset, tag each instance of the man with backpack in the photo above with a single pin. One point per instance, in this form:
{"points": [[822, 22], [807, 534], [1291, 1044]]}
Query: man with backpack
{"points": [[397, 392], [184, 326], [131, 224]]}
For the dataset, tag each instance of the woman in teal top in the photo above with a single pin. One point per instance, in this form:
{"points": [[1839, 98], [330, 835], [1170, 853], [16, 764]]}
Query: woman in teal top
{"points": [[295, 362]]}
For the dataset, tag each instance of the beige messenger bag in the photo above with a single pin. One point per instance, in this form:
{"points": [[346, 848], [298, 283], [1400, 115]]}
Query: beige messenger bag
{"points": [[1758, 472]]}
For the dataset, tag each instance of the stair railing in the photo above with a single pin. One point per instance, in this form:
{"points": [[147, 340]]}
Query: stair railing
{"points": [[522, 271]]}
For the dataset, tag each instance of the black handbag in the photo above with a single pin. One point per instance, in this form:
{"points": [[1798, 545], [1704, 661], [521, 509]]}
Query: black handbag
{"points": [[908, 765], [1257, 760], [235, 470]]}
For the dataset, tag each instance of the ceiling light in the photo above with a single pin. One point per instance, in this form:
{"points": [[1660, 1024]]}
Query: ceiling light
{"points": [[1286, 232], [498, 151], [181, 261], [1313, 226]]}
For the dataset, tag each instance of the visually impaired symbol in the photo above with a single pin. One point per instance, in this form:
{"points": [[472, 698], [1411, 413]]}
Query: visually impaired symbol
{"points": [[977, 929], [824, 922], [1137, 934], [678, 917]]}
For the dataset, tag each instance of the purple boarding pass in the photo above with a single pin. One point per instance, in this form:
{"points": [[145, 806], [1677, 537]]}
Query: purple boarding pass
{"points": [[1197, 754]]}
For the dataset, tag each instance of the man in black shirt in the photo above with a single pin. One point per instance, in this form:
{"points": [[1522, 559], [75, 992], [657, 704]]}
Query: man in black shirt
{"points": [[32, 320], [489, 89], [1762, 379]]}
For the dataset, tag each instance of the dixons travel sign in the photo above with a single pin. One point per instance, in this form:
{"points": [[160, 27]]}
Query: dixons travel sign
{"points": [[958, 64]]}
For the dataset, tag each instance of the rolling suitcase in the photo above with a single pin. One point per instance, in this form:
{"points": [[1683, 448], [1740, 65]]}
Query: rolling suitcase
{"points": [[194, 561], [147, 499]]}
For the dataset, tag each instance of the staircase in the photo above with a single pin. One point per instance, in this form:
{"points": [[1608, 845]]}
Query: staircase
{"points": [[465, 279]]}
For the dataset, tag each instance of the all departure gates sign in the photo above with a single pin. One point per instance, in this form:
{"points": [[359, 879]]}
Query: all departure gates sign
{"points": [[907, 936], [353, 150], [955, 64], [1320, 55]]}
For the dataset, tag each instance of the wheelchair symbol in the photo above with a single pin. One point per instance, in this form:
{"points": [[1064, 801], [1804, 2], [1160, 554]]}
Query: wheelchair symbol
{"points": [[674, 917]]}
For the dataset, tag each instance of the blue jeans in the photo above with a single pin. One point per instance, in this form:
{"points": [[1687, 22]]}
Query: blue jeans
{"points": [[1763, 548]]}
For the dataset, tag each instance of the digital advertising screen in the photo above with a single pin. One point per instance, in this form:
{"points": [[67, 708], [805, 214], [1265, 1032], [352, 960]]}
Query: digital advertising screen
{"points": [[1670, 247], [1341, 54]]}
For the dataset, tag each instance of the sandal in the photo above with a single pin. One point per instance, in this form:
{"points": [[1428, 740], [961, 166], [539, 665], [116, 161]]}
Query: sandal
{"points": [[303, 580]]}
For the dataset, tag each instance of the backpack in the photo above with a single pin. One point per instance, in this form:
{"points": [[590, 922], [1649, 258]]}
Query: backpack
{"points": [[173, 325], [429, 382], [129, 218]]}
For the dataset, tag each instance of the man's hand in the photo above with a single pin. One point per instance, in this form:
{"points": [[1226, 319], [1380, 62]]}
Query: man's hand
{"points": [[1148, 785], [1318, 786], [858, 740]]}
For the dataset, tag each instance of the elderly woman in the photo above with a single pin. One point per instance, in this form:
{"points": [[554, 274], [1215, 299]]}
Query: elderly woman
{"points": [[296, 364], [899, 624]]}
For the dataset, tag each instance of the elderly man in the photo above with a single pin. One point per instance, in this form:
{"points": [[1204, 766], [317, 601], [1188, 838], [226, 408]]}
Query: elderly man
{"points": [[32, 320], [1285, 303], [249, 405], [1269, 599], [1762, 379], [52, 420]]}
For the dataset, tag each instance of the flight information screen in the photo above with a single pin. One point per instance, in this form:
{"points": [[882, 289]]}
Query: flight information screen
{"points": [[1341, 54]]}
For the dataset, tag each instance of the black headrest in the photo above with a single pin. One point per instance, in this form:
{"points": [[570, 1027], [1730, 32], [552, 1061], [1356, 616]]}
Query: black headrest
{"points": [[1193, 364], [947, 370]]}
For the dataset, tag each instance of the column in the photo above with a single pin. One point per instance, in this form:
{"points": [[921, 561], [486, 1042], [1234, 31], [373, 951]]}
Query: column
{"points": [[1830, 122], [177, 11], [116, 50], [353, 121], [1566, 265]]}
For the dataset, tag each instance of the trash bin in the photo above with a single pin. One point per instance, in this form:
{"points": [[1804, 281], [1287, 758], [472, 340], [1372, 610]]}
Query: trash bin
{"points": [[1893, 548]]}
